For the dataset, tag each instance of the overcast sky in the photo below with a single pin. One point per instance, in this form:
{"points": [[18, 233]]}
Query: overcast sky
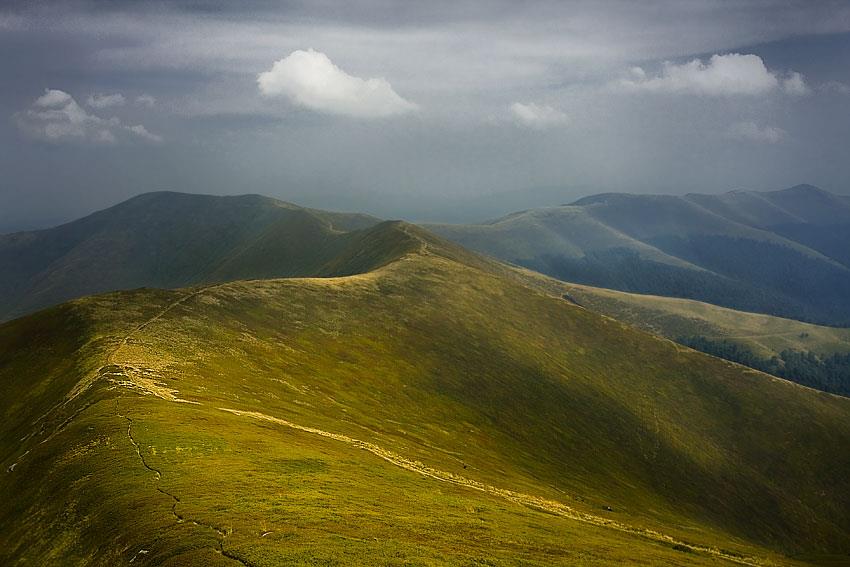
{"points": [[399, 108]]}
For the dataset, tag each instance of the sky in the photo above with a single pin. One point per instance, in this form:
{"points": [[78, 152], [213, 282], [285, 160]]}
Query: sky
{"points": [[425, 111]]}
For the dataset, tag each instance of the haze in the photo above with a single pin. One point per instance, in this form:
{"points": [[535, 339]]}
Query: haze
{"points": [[429, 112]]}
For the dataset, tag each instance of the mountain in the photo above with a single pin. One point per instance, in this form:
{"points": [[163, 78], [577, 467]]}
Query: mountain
{"points": [[783, 253], [433, 407], [765, 342], [671, 317], [173, 240]]}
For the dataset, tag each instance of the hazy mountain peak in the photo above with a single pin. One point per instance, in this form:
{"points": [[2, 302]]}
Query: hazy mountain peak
{"points": [[601, 198], [802, 189]]}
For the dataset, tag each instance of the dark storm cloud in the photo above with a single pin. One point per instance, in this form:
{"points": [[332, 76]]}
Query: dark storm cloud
{"points": [[488, 96]]}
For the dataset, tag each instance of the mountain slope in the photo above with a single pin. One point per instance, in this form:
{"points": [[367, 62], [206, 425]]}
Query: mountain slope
{"points": [[798, 204], [812, 355], [782, 253], [671, 317], [170, 240], [440, 409]]}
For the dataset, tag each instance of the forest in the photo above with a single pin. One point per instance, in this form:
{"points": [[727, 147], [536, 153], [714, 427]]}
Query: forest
{"points": [[830, 373]]}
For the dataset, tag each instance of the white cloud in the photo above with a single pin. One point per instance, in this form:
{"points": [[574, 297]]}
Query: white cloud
{"points": [[750, 131], [145, 100], [56, 117], [722, 75], [142, 132], [537, 116], [53, 98], [310, 79], [106, 100], [104, 136]]}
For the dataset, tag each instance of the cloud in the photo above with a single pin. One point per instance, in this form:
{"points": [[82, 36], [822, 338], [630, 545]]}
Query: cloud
{"points": [[53, 98], [794, 84], [145, 100], [722, 75], [311, 80], [538, 116], [750, 131], [56, 117], [142, 132], [100, 101], [11, 22], [836, 87]]}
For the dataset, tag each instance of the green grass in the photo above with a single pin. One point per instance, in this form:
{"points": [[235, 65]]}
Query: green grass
{"points": [[670, 317], [438, 357]]}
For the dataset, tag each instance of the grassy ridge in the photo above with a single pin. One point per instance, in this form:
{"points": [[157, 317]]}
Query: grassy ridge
{"points": [[437, 356]]}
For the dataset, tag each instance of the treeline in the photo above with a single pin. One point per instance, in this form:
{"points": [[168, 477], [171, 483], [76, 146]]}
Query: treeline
{"points": [[829, 239], [827, 373]]}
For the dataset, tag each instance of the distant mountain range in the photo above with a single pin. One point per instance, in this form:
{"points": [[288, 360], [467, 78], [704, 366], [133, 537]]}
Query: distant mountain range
{"points": [[784, 252]]}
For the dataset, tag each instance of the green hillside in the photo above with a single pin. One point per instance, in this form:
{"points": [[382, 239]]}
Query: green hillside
{"points": [[782, 253], [437, 410], [671, 317], [812, 355], [170, 240]]}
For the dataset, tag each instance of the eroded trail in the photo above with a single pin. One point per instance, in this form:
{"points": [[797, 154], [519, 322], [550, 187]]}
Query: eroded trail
{"points": [[152, 387], [531, 501], [110, 366], [178, 517], [108, 371], [125, 375]]}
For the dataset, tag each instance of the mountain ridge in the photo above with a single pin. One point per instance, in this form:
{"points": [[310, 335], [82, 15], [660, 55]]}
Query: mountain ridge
{"points": [[742, 250], [169, 239], [229, 416]]}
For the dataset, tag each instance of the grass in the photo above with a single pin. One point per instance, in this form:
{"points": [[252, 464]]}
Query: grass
{"points": [[765, 335], [460, 366]]}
